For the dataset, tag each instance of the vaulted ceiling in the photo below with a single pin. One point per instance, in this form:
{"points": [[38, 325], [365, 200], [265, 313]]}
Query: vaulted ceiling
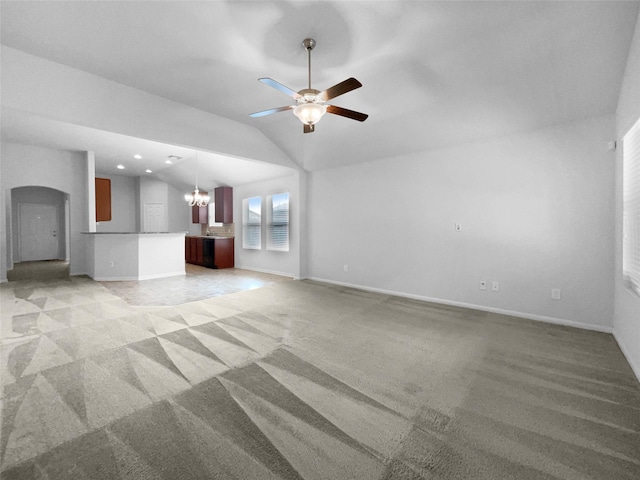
{"points": [[434, 73]]}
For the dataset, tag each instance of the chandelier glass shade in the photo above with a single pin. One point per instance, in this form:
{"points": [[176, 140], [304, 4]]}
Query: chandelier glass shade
{"points": [[196, 198]]}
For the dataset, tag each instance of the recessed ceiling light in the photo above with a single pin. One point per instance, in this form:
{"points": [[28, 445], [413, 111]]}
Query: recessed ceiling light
{"points": [[148, 171], [120, 167], [137, 156], [168, 161]]}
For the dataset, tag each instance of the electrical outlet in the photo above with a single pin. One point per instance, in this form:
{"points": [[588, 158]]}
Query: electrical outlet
{"points": [[346, 268], [458, 227], [111, 264], [495, 286], [556, 293], [483, 285]]}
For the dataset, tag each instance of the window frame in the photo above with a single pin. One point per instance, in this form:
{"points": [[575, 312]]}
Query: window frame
{"points": [[250, 226], [276, 246], [631, 208]]}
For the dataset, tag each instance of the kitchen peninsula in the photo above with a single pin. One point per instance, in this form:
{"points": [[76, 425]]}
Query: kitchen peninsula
{"points": [[135, 256]]}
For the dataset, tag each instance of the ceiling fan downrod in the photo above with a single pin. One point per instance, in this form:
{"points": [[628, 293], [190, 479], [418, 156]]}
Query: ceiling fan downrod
{"points": [[309, 44]]}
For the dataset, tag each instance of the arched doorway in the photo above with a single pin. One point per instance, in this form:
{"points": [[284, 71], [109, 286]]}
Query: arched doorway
{"points": [[38, 234]]}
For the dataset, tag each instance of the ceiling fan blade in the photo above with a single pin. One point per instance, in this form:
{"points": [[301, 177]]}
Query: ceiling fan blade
{"points": [[270, 111], [343, 112], [309, 128], [340, 89], [278, 86]]}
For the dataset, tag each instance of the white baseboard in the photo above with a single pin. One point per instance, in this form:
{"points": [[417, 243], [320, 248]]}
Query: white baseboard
{"points": [[500, 311], [272, 272], [144, 277], [162, 275], [113, 279], [626, 351]]}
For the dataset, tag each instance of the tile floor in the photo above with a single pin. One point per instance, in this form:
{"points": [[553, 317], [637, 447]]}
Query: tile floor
{"points": [[199, 283]]}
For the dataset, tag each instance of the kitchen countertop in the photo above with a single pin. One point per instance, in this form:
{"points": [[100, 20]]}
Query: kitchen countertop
{"points": [[210, 236]]}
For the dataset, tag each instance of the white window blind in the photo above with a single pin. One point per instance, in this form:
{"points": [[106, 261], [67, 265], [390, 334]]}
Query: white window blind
{"points": [[278, 222], [631, 207], [252, 223]]}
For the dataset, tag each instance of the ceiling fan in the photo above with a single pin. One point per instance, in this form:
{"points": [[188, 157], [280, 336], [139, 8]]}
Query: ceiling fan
{"points": [[311, 104]]}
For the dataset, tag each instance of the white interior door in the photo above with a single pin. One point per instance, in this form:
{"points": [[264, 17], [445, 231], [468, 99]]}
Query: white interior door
{"points": [[38, 232], [154, 217]]}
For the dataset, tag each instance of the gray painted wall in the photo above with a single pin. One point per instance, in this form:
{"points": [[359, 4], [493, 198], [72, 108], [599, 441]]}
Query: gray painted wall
{"points": [[123, 202], [37, 195], [24, 165], [536, 211], [176, 209], [285, 263]]}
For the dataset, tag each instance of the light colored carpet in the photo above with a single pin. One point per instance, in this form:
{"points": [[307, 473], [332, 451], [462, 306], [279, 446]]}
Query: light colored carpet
{"points": [[301, 380]]}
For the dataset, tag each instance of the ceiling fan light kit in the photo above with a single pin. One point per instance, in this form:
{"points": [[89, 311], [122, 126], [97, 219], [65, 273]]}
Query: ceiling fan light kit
{"points": [[311, 103], [309, 113]]}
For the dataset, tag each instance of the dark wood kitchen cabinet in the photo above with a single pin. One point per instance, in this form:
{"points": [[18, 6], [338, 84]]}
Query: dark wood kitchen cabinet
{"points": [[194, 250], [103, 200], [223, 253], [200, 214], [199, 251], [188, 256], [224, 204], [209, 252]]}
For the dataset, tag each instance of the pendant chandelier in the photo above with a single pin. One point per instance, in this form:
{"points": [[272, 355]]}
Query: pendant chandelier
{"points": [[196, 198]]}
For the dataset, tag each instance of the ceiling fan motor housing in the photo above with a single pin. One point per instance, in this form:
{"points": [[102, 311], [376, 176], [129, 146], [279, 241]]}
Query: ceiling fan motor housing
{"points": [[310, 95]]}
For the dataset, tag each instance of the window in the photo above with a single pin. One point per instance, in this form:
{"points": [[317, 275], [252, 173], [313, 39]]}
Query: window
{"points": [[278, 222], [631, 207], [252, 223]]}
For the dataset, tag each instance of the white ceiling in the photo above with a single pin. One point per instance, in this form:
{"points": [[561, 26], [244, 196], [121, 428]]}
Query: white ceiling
{"points": [[113, 149], [434, 73]]}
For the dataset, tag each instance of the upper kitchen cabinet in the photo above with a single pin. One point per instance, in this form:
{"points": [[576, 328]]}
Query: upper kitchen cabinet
{"points": [[103, 200], [199, 214], [224, 204]]}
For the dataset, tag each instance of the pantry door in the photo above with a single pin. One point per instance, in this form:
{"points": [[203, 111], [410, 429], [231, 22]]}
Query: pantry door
{"points": [[154, 219]]}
